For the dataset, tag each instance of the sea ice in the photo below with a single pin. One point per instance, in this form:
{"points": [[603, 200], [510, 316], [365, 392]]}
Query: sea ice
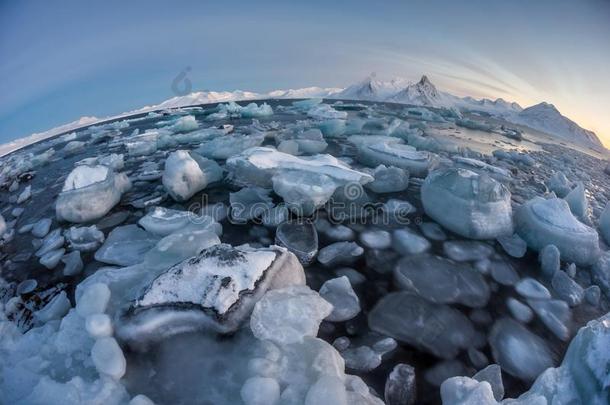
{"points": [[288, 315], [518, 351], [125, 246], [442, 281], [559, 184], [299, 237], [340, 253], [471, 205], [513, 245], [163, 221], [42, 227], [187, 173], [303, 192], [543, 222], [257, 166], [84, 238], [108, 358], [391, 152], [400, 387], [89, 192], [604, 223], [407, 242], [73, 264], [549, 260], [438, 329], [215, 289], [249, 203], [223, 147], [577, 200], [389, 180], [345, 302]]}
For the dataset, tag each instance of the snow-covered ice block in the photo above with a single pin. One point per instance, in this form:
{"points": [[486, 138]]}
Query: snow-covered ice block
{"points": [[543, 222], [215, 289], [187, 173], [257, 166], [89, 192], [288, 315], [470, 204], [438, 329]]}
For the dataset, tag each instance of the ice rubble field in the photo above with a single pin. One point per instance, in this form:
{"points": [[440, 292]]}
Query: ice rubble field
{"points": [[303, 253]]}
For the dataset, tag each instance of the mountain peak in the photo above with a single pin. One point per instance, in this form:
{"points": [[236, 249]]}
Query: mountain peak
{"points": [[424, 80]]}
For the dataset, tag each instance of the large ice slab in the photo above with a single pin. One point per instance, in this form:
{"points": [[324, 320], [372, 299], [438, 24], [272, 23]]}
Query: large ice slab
{"points": [[89, 192], [215, 289], [258, 165], [380, 150], [543, 222], [469, 204]]}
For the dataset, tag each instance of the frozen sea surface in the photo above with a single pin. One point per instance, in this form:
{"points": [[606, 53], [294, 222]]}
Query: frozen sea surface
{"points": [[140, 287]]}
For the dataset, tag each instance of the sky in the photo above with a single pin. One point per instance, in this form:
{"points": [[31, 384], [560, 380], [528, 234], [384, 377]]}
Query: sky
{"points": [[63, 60]]}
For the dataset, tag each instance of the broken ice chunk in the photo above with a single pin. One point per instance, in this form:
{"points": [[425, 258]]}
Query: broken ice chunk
{"points": [[389, 180], [249, 203], [345, 302], [470, 204], [215, 289], [126, 245], [442, 281], [303, 192], [289, 314], [163, 221], [73, 263], [187, 173], [513, 245], [543, 222], [108, 358], [559, 184], [84, 239], [89, 192], [577, 200], [256, 166], [400, 387], [42, 227], [530, 288], [51, 259], [391, 152], [438, 329], [407, 242], [340, 253], [301, 238], [518, 351], [223, 147]]}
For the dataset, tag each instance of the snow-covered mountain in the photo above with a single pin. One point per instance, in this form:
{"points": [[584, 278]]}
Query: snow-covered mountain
{"points": [[39, 136], [546, 118], [421, 93], [543, 117], [371, 89]]}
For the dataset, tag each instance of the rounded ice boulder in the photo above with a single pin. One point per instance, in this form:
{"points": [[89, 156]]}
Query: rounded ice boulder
{"points": [[543, 222], [89, 192], [470, 204]]}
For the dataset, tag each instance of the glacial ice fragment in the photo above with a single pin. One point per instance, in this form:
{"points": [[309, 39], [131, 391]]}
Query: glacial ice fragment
{"points": [[89, 192], [543, 222], [187, 173], [472, 205]]}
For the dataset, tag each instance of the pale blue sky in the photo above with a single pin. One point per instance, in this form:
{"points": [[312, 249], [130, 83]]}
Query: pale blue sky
{"points": [[63, 60]]}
